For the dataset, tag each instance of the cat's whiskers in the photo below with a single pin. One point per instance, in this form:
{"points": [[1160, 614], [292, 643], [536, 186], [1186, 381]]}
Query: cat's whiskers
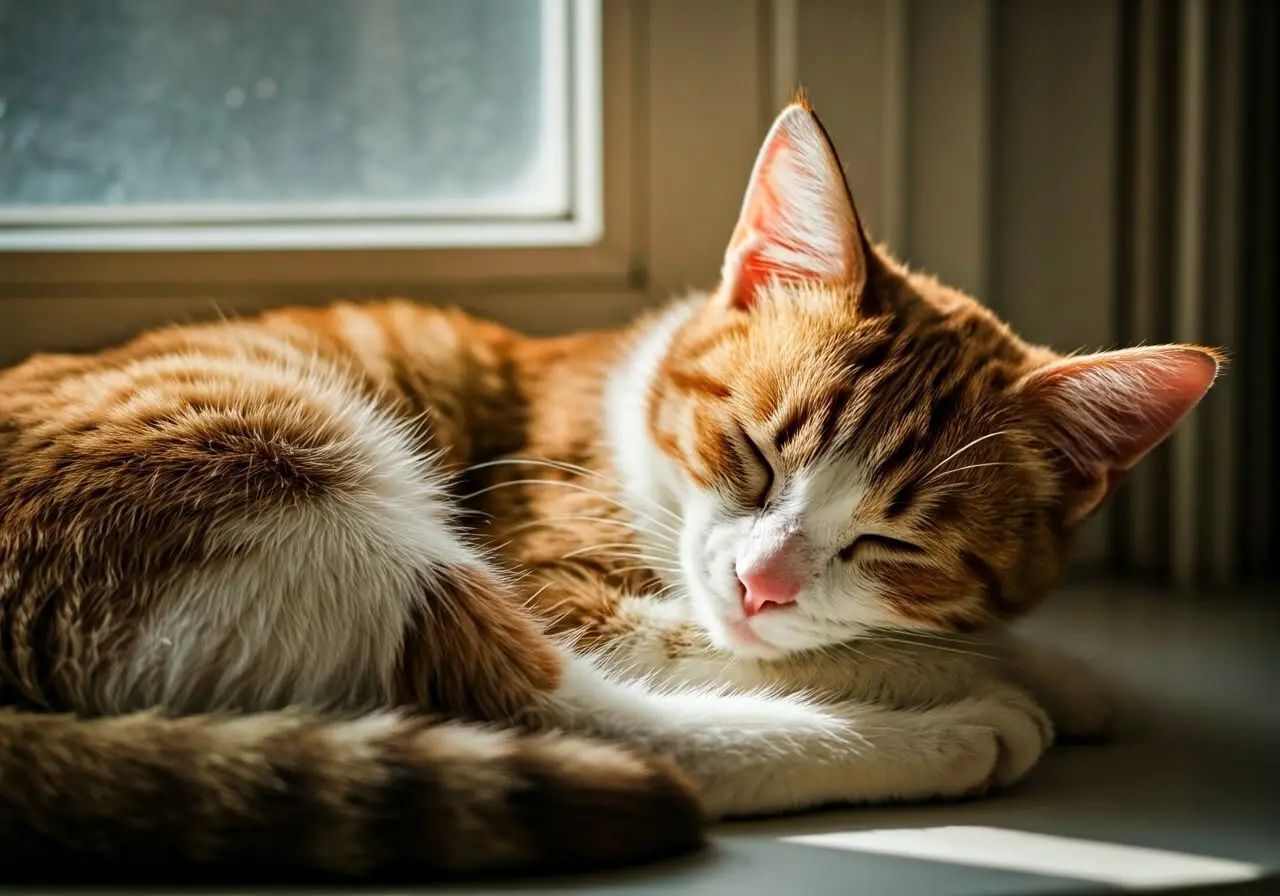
{"points": [[907, 642], [662, 541], [531, 602], [565, 466], [995, 463], [667, 537], [577, 518], [519, 576], [954, 454], [573, 486], [617, 544], [587, 471], [665, 589], [941, 488], [949, 637], [558, 613], [471, 511], [623, 569], [621, 549], [603, 552], [649, 565], [910, 638]]}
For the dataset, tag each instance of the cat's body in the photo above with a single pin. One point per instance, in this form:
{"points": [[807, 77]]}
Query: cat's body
{"points": [[694, 536]]}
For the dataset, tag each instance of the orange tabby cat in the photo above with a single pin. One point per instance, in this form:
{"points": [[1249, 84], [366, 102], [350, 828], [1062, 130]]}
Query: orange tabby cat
{"points": [[242, 557]]}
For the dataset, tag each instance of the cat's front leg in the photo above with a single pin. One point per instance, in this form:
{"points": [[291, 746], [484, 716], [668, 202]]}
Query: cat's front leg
{"points": [[953, 751], [914, 670], [750, 753]]}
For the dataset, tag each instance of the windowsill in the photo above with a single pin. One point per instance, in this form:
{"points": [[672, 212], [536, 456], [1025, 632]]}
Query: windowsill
{"points": [[318, 236], [1194, 770]]}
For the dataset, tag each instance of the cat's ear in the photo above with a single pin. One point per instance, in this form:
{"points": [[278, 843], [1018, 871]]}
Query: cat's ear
{"points": [[798, 222], [1102, 413]]}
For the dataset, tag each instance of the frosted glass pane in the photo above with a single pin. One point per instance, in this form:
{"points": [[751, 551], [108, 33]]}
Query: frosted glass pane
{"points": [[270, 102]]}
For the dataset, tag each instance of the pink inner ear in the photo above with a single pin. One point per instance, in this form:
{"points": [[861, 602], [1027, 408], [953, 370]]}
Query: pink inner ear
{"points": [[797, 221], [1120, 405], [1107, 411], [759, 228]]}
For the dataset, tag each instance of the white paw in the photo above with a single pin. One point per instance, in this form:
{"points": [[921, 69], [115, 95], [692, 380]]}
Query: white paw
{"points": [[950, 751], [1017, 728]]}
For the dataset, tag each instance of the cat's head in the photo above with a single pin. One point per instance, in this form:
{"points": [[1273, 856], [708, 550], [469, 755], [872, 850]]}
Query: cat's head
{"points": [[855, 446]]}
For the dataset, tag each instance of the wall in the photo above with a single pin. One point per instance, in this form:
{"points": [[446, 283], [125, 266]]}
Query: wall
{"points": [[1094, 170]]}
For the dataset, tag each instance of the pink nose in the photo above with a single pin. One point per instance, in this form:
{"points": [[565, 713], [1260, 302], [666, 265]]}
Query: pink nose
{"points": [[775, 579]]}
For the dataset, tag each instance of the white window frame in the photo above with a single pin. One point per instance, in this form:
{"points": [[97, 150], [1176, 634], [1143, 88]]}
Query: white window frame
{"points": [[573, 67], [680, 84], [571, 101]]}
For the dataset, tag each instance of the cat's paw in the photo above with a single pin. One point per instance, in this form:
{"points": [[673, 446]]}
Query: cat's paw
{"points": [[956, 750], [1020, 731]]}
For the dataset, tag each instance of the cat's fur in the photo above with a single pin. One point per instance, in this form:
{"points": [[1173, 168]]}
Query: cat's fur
{"points": [[266, 528]]}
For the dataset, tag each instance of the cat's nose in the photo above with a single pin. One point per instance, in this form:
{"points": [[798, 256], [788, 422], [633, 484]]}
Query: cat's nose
{"points": [[775, 579], [762, 591]]}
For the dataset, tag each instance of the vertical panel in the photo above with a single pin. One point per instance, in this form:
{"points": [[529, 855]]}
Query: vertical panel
{"points": [[842, 65], [1220, 297], [1077, 165], [894, 139], [1189, 276], [1255, 358], [948, 145], [1145, 243], [784, 51], [706, 79], [1185, 279], [1054, 179]]}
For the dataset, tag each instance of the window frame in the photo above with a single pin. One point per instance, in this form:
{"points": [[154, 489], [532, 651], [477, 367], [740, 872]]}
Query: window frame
{"points": [[665, 219], [593, 242], [570, 40]]}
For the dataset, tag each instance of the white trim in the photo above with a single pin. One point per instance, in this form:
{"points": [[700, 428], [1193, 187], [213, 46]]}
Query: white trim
{"points": [[587, 161], [229, 237], [540, 220], [301, 212], [546, 178]]}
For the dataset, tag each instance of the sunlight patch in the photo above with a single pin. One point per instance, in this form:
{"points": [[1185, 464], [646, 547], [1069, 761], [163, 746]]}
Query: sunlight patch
{"points": [[1131, 867]]}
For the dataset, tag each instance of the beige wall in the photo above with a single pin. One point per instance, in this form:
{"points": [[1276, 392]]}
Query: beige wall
{"points": [[1027, 150], [1082, 167], [981, 139]]}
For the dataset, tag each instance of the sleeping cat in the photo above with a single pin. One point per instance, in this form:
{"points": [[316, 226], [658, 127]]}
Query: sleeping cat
{"points": [[262, 580]]}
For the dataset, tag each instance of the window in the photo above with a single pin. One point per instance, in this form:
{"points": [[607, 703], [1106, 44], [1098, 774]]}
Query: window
{"points": [[644, 138], [216, 124]]}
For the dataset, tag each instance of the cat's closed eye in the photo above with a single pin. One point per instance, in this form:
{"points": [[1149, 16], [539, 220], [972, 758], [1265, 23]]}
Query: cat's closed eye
{"points": [[762, 496], [864, 544]]}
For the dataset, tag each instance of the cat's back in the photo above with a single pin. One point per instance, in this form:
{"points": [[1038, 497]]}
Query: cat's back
{"points": [[171, 500], [289, 371], [369, 346]]}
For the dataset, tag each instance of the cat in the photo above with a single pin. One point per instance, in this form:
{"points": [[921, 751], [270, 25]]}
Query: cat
{"points": [[383, 588]]}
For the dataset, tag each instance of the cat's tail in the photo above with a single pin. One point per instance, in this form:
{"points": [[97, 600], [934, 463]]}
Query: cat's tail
{"points": [[291, 795]]}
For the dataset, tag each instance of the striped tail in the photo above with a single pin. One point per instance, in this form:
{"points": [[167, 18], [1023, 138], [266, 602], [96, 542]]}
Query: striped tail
{"points": [[291, 795]]}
